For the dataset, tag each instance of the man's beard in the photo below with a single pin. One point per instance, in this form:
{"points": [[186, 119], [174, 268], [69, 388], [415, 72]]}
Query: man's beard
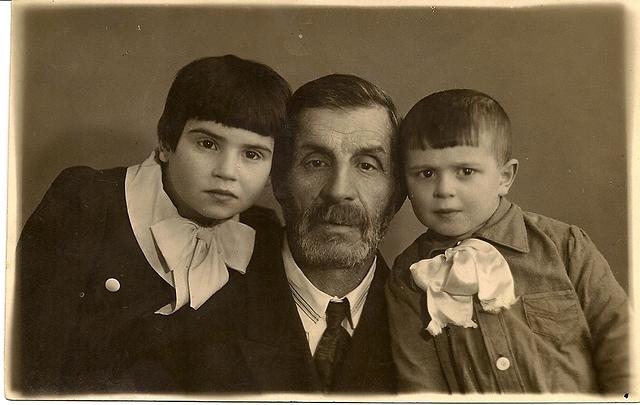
{"points": [[317, 247]]}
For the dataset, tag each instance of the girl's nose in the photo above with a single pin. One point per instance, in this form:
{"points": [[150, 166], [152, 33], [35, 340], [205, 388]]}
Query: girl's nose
{"points": [[226, 167]]}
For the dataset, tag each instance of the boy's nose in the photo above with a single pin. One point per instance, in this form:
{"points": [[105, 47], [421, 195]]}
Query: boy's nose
{"points": [[226, 167], [444, 187]]}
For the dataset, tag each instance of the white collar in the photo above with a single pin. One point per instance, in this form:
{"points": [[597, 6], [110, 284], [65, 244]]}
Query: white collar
{"points": [[148, 204]]}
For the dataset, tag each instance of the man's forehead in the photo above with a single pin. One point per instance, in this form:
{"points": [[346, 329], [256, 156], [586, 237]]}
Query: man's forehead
{"points": [[361, 127]]}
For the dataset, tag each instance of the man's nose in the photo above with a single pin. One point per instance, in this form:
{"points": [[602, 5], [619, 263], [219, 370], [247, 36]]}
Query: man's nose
{"points": [[445, 187], [226, 167], [339, 186]]}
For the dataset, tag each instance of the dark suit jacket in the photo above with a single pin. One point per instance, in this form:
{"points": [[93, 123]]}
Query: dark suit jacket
{"points": [[249, 338], [71, 335]]}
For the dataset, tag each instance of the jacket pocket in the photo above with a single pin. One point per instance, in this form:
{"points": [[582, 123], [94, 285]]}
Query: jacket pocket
{"points": [[553, 314]]}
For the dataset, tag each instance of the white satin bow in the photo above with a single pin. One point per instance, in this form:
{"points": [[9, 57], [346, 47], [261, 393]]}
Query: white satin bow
{"points": [[199, 256], [451, 279]]}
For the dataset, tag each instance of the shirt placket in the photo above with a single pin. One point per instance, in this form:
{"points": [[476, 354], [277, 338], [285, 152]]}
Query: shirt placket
{"points": [[499, 351]]}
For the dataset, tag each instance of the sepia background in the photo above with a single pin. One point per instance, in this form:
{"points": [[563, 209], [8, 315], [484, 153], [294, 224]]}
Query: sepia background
{"points": [[90, 83]]}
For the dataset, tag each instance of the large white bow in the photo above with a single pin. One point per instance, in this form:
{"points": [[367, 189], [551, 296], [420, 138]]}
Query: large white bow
{"points": [[198, 257], [451, 279]]}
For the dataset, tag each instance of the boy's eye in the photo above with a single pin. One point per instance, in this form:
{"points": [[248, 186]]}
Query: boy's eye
{"points": [[467, 171], [208, 144], [253, 155], [427, 173]]}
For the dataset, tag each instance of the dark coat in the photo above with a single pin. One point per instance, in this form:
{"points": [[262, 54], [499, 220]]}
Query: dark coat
{"points": [[73, 336]]}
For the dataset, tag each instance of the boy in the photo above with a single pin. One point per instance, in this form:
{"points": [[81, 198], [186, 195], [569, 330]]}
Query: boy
{"points": [[492, 298], [111, 257]]}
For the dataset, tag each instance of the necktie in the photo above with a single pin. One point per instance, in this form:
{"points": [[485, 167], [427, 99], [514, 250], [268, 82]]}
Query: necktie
{"points": [[198, 257], [333, 344], [451, 279]]}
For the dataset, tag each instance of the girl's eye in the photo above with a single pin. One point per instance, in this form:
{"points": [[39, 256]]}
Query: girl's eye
{"points": [[427, 173], [207, 144], [253, 155]]}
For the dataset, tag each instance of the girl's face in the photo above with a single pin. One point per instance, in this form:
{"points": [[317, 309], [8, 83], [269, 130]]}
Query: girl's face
{"points": [[455, 190], [215, 171]]}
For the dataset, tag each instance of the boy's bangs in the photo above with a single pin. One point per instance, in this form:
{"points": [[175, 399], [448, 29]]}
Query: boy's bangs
{"points": [[457, 117], [436, 131]]}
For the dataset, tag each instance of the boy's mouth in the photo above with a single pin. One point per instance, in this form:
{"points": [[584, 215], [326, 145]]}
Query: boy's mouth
{"points": [[446, 212]]}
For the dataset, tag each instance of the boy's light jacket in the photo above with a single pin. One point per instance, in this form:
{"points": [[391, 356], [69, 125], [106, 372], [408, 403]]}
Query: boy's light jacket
{"points": [[567, 332]]}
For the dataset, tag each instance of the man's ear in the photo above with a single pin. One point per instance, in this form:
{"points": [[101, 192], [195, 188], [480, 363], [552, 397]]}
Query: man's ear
{"points": [[278, 186], [508, 173], [400, 196], [163, 153]]}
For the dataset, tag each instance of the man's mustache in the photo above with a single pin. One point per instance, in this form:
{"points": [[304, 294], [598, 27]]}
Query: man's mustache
{"points": [[340, 214]]}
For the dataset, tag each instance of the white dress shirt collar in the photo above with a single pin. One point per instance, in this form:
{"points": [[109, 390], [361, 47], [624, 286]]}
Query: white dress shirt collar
{"points": [[312, 303]]}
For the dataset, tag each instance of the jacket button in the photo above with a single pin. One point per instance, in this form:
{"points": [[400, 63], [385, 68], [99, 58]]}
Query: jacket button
{"points": [[112, 285], [503, 363]]}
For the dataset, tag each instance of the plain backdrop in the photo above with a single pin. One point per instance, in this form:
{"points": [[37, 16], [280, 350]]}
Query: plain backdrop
{"points": [[90, 83]]}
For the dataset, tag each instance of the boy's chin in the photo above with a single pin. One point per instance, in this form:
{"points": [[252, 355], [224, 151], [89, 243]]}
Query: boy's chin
{"points": [[451, 233], [458, 233]]}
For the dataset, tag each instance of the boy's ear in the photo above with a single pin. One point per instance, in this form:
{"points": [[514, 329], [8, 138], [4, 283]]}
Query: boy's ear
{"points": [[507, 176]]}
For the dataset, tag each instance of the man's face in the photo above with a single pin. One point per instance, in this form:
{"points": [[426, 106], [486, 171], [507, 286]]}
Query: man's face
{"points": [[338, 197]]}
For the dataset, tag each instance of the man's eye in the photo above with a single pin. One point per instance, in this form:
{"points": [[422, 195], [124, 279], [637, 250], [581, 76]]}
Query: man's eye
{"points": [[467, 171], [316, 163], [427, 173], [366, 166], [253, 155], [207, 144]]}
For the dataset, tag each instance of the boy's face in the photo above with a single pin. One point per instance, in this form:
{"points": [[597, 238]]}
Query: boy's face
{"points": [[455, 190], [216, 171]]}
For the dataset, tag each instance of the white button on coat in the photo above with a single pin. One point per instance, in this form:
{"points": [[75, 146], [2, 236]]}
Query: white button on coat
{"points": [[503, 363], [112, 285]]}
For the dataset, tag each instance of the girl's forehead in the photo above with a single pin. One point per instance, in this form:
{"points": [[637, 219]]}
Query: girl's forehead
{"points": [[229, 135]]}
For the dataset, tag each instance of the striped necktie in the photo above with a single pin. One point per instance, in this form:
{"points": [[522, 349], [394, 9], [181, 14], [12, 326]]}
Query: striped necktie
{"points": [[333, 344]]}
